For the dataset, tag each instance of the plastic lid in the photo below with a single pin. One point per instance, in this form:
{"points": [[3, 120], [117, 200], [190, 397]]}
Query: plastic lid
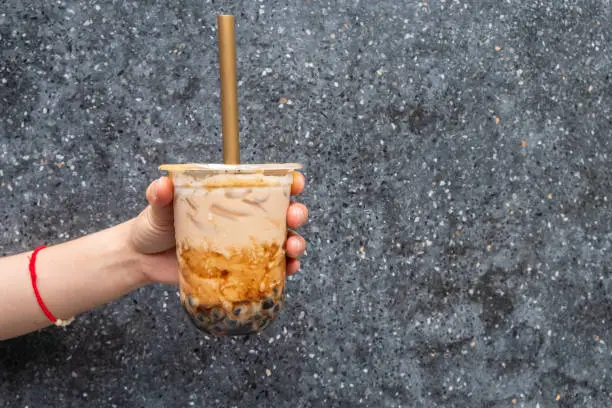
{"points": [[230, 168]]}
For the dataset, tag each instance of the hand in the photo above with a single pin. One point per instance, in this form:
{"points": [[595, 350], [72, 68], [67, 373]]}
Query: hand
{"points": [[153, 231], [297, 215], [153, 234]]}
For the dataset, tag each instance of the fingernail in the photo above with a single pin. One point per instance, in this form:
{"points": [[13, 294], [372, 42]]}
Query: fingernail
{"points": [[298, 212], [301, 246]]}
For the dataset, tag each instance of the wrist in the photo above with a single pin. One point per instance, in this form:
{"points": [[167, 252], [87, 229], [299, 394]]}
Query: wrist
{"points": [[134, 262], [88, 272]]}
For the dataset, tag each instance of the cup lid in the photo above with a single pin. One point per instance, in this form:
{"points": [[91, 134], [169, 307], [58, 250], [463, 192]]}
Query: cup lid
{"points": [[230, 168]]}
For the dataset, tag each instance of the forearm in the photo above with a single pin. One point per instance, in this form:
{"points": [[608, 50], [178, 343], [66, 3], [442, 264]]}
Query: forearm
{"points": [[73, 277]]}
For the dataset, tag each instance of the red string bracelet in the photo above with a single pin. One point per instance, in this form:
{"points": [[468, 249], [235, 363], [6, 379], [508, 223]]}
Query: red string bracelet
{"points": [[46, 311]]}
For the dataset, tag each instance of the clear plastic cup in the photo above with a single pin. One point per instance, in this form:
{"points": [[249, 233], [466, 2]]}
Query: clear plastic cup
{"points": [[231, 229]]}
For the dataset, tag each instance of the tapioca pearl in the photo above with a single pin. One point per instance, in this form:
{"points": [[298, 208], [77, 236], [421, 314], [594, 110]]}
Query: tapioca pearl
{"points": [[242, 310], [238, 310], [268, 303], [231, 323], [271, 311], [223, 323], [197, 322], [276, 308], [202, 318], [203, 310], [217, 314], [201, 326], [193, 301]]}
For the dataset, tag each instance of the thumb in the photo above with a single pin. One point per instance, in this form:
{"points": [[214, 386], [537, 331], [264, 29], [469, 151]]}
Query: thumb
{"points": [[159, 195], [154, 228]]}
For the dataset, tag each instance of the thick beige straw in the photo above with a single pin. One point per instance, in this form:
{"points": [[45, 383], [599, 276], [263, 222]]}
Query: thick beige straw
{"points": [[229, 93]]}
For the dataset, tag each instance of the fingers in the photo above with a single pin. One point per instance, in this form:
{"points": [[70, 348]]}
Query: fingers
{"points": [[293, 265], [299, 181], [297, 215], [295, 246]]}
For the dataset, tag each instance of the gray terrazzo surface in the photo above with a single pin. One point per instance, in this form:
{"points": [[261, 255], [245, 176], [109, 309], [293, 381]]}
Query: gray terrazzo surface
{"points": [[458, 157]]}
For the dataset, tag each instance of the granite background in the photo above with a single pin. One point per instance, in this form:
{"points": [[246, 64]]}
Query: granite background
{"points": [[458, 156]]}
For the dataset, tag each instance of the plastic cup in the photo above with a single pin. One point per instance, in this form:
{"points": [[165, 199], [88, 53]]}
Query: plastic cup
{"points": [[231, 229]]}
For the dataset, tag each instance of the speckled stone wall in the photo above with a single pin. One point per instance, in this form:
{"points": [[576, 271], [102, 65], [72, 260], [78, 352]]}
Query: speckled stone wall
{"points": [[458, 157]]}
